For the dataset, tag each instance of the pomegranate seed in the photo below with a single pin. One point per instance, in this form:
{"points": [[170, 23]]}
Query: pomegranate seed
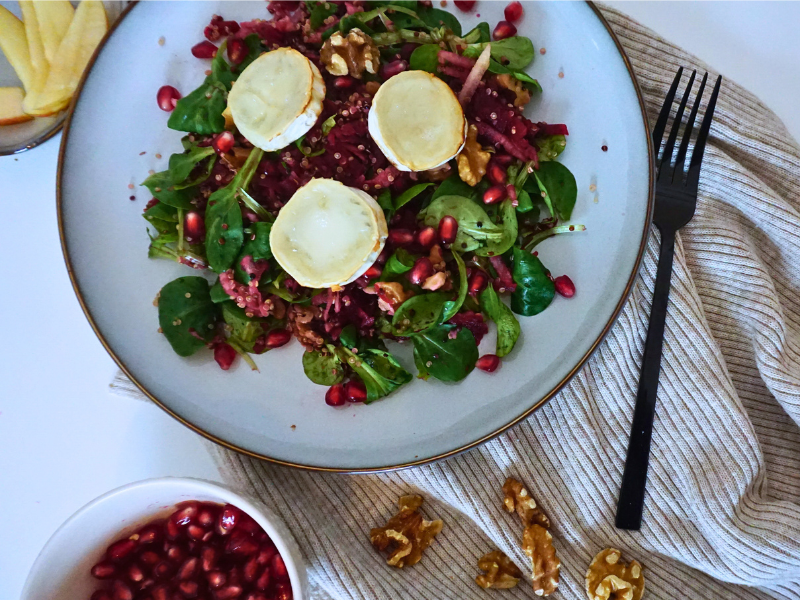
{"points": [[196, 532], [152, 533], [488, 363], [223, 142], [504, 30], [160, 593], [335, 395], [185, 514], [204, 49], [448, 229], [250, 570], [167, 98], [219, 28], [511, 192], [101, 595], [279, 568], [477, 282], [266, 553], [237, 50], [228, 519], [135, 573], [400, 237], [224, 355], [494, 194], [422, 269], [256, 597], [188, 568], [248, 525], [278, 338], [263, 582], [119, 550], [465, 5], [173, 531], [194, 230], [356, 391], [394, 68], [146, 584], [229, 593], [283, 591], [344, 83], [496, 174], [188, 588], [175, 553], [162, 569], [241, 544], [121, 591], [216, 579], [103, 570], [206, 518], [426, 237], [513, 12], [564, 286], [149, 558], [373, 272]]}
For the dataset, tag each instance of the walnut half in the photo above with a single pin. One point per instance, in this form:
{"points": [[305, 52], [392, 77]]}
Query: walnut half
{"points": [[518, 499], [499, 571], [523, 95], [350, 55], [472, 159], [545, 565], [407, 533], [610, 579]]}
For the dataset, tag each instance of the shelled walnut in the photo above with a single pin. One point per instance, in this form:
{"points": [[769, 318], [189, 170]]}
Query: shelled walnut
{"points": [[523, 95], [499, 572], [518, 499], [406, 534], [545, 565], [472, 159], [351, 54], [610, 579]]}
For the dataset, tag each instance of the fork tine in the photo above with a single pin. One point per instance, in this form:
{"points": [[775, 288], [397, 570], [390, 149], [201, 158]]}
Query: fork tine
{"points": [[687, 134], [693, 178], [661, 123], [666, 158]]}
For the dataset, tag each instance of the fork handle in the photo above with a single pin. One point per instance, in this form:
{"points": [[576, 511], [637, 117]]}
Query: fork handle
{"points": [[634, 478]]}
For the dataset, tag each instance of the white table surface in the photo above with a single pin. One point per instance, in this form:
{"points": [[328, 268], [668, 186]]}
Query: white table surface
{"points": [[64, 439]]}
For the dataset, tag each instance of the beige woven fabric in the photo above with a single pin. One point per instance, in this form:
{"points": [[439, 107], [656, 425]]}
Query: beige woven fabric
{"points": [[723, 504]]}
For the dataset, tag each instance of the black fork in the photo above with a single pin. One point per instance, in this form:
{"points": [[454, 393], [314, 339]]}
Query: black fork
{"points": [[676, 197]]}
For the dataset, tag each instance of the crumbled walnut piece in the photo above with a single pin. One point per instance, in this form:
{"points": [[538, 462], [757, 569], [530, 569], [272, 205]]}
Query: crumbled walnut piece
{"points": [[610, 579], [499, 571], [436, 258], [538, 545], [517, 498], [391, 295], [236, 158], [407, 533], [352, 54], [523, 94], [300, 318], [472, 159], [435, 281]]}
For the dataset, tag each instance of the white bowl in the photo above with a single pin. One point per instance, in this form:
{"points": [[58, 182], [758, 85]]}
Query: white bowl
{"points": [[62, 569]]}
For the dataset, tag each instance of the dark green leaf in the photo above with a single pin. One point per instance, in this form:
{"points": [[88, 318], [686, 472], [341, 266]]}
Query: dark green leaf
{"points": [[507, 324], [506, 220], [385, 202], [530, 83], [171, 186], [162, 212], [535, 291], [378, 369], [418, 313], [254, 50], [355, 21], [255, 245], [425, 58], [480, 34], [349, 337], [447, 359], [185, 306], [224, 217], [218, 295], [400, 262], [245, 331], [525, 204], [560, 185], [320, 12], [543, 194], [451, 307], [550, 146], [435, 17], [516, 52], [475, 228], [453, 186], [323, 367], [410, 194]]}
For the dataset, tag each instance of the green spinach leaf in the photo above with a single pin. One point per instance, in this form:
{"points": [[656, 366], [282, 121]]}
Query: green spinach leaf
{"points": [[419, 313], [378, 369], [400, 262], [185, 306], [245, 331], [481, 33], [218, 295], [410, 194], [171, 186], [257, 246], [443, 357], [436, 18], [561, 187], [530, 83], [328, 124], [507, 324], [515, 53], [425, 58], [224, 237], [451, 307], [525, 204], [454, 186], [475, 228], [541, 192], [550, 146], [385, 202], [506, 220], [535, 291], [320, 12], [323, 367]]}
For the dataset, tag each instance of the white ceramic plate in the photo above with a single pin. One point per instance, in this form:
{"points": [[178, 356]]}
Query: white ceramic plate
{"points": [[279, 414]]}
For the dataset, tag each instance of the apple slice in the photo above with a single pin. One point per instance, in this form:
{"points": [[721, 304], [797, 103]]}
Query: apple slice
{"points": [[35, 46], [54, 17], [14, 45], [11, 111], [87, 28]]}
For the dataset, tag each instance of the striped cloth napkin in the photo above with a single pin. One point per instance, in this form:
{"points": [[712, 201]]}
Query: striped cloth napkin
{"points": [[722, 514]]}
